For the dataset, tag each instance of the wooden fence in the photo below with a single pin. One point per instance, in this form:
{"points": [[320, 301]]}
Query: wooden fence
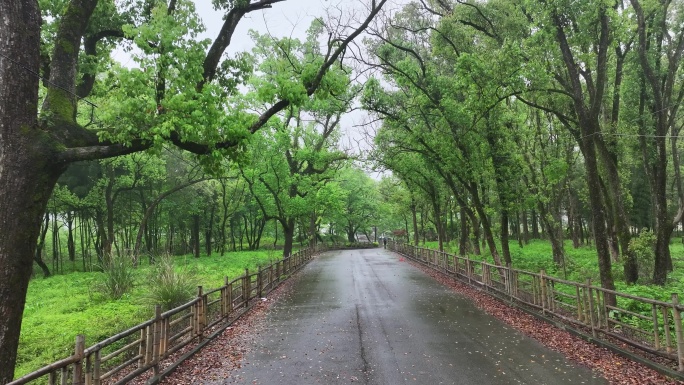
{"points": [[140, 349], [649, 325]]}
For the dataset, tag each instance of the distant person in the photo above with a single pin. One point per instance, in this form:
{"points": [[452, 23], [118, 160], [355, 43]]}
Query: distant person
{"points": [[384, 242]]}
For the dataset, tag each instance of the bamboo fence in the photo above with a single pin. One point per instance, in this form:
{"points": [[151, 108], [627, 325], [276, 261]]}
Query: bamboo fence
{"points": [[140, 349]]}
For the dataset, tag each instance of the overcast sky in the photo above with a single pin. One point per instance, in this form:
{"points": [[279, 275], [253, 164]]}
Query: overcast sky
{"points": [[287, 18]]}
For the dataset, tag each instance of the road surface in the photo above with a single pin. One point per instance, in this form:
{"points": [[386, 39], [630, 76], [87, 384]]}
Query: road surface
{"points": [[364, 316]]}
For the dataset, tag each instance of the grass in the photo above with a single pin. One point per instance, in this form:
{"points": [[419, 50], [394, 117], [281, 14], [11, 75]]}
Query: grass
{"points": [[62, 306], [581, 264]]}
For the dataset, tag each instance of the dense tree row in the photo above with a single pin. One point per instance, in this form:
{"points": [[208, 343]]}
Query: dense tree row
{"points": [[144, 206], [564, 113]]}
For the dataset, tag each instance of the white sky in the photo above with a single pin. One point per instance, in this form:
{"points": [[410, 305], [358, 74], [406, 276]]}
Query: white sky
{"points": [[287, 18]]}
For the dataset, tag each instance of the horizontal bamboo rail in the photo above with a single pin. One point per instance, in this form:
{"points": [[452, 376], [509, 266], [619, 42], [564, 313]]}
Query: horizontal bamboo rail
{"points": [[138, 350], [657, 330]]}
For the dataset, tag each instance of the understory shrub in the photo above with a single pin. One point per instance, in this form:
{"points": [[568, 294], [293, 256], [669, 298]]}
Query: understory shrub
{"points": [[118, 276], [168, 285], [643, 246]]}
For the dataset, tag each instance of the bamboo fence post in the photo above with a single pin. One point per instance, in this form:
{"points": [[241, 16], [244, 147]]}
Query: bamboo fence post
{"points": [[468, 269], [202, 311], [149, 346], [224, 298], [64, 375], [542, 284], [246, 288], [52, 378], [272, 275], [578, 301], [666, 328], [606, 315], [229, 298], [516, 286], [96, 367], [590, 294], [156, 348], [89, 369], [677, 319], [78, 365], [599, 310], [656, 335], [508, 274], [276, 277], [260, 282], [141, 346]]}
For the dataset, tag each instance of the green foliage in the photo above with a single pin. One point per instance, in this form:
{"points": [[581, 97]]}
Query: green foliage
{"points": [[168, 285], [118, 278], [643, 246]]}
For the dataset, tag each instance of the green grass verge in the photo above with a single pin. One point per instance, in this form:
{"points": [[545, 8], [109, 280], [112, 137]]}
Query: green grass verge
{"points": [[62, 306], [582, 263]]}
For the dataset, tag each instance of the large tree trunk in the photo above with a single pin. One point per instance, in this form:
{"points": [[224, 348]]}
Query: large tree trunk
{"points": [[71, 244], [526, 228], [41, 245], [195, 235], [535, 225], [351, 233], [463, 234], [208, 232], [414, 217], [19, 228], [28, 172], [505, 249], [288, 234], [486, 226]]}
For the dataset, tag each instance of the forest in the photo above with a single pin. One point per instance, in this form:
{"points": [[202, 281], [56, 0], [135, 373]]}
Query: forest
{"points": [[492, 127]]}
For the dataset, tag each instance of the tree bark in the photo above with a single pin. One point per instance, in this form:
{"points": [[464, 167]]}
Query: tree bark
{"points": [[208, 232], [41, 245], [288, 235], [28, 172], [414, 218], [526, 228], [535, 225], [195, 235]]}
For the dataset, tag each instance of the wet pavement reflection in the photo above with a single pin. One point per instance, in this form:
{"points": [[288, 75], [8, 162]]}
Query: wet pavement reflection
{"points": [[364, 316]]}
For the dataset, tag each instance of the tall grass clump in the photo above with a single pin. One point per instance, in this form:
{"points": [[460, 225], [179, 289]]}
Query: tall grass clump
{"points": [[168, 285], [118, 277]]}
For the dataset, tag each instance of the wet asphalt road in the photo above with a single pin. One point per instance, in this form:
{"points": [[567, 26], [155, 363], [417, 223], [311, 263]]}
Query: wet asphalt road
{"points": [[363, 316]]}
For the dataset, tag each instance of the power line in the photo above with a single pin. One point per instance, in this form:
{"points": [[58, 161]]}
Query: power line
{"points": [[34, 73]]}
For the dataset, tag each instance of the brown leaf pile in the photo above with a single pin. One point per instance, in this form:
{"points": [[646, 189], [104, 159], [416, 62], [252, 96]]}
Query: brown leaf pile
{"points": [[224, 354]]}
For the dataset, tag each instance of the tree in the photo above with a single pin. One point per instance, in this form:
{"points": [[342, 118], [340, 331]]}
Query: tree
{"points": [[143, 109], [660, 48], [360, 203]]}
